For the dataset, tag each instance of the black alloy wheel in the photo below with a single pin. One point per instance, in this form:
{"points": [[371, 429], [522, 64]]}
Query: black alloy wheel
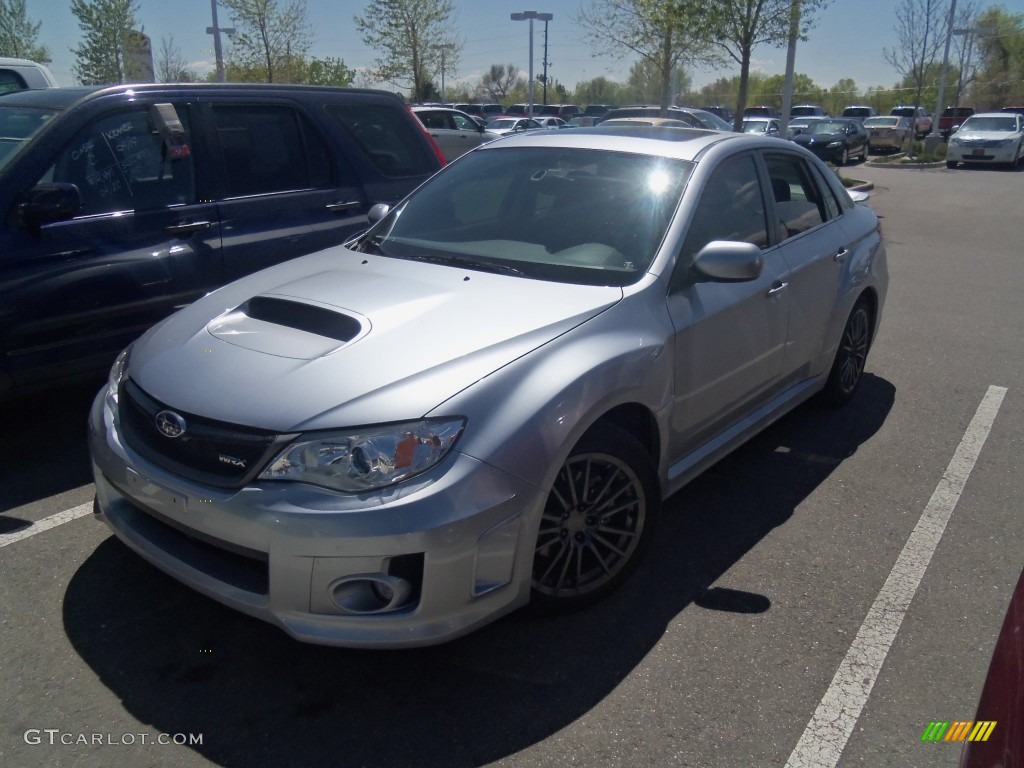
{"points": [[599, 518], [848, 366]]}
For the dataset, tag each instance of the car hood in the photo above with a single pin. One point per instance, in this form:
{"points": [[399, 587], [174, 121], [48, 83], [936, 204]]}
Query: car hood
{"points": [[340, 338]]}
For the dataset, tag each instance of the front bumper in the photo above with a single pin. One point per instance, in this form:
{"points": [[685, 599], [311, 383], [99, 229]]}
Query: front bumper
{"points": [[975, 154], [309, 560]]}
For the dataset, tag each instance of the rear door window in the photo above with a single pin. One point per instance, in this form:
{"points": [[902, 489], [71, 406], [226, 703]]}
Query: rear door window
{"points": [[799, 203], [388, 139], [269, 149]]}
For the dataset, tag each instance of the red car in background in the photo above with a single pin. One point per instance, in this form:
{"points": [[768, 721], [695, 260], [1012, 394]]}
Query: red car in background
{"points": [[1002, 698], [951, 119]]}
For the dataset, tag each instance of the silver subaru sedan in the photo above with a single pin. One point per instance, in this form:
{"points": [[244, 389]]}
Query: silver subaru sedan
{"points": [[483, 400]]}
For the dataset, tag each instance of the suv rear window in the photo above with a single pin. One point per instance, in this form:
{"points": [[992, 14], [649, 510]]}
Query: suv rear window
{"points": [[388, 140], [269, 149]]}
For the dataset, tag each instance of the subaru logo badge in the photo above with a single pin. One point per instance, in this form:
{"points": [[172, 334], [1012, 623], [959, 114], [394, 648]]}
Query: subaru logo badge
{"points": [[170, 424]]}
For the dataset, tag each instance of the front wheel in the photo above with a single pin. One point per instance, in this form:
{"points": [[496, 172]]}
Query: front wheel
{"points": [[845, 157], [599, 519], [848, 367], [951, 164]]}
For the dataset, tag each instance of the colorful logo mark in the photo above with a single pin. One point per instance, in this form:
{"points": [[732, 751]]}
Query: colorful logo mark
{"points": [[958, 730]]}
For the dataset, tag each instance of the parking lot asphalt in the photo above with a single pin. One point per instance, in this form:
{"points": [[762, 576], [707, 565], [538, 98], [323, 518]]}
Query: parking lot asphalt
{"points": [[766, 577]]}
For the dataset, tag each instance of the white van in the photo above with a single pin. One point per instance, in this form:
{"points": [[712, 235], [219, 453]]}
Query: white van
{"points": [[20, 74]]}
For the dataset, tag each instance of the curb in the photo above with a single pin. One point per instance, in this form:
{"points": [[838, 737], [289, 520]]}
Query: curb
{"points": [[908, 166]]}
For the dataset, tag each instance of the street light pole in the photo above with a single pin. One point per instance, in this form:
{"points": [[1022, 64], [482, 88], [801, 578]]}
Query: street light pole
{"points": [[443, 48], [945, 69], [530, 16], [215, 30]]}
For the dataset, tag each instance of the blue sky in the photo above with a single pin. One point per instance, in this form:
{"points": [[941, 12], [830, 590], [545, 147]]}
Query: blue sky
{"points": [[846, 42]]}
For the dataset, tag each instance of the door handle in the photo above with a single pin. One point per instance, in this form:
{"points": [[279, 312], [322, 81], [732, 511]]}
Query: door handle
{"points": [[777, 287], [340, 207], [840, 256], [187, 228]]}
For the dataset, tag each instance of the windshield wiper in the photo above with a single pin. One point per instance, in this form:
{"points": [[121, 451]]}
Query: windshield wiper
{"points": [[462, 261]]}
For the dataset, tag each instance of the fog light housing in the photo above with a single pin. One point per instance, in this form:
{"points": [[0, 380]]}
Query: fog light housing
{"points": [[370, 593]]}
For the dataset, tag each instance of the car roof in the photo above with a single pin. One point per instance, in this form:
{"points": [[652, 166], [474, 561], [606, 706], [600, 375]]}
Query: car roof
{"points": [[680, 143], [50, 98]]}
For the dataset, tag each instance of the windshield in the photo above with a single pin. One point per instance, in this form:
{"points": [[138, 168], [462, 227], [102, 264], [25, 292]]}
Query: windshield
{"points": [[824, 127], [989, 124], [713, 121], [17, 125], [571, 215]]}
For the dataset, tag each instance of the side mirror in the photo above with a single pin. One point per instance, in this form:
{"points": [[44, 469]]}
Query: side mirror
{"points": [[46, 203], [729, 261], [378, 212]]}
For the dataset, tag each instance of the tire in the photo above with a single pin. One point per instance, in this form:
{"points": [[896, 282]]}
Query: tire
{"points": [[864, 156], [599, 519], [951, 164], [848, 367], [845, 157]]}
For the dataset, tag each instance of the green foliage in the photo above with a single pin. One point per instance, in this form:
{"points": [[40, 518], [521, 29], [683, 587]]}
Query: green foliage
{"points": [[105, 53], [269, 38], [411, 36], [300, 70], [1000, 79], [18, 35], [666, 34]]}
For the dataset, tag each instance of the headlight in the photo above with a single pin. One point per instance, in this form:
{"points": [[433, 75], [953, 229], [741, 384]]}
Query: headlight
{"points": [[369, 458], [955, 142], [833, 144], [118, 371]]}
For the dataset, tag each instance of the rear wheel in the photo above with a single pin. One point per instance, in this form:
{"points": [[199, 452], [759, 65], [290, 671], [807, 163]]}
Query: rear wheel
{"points": [[844, 158], [951, 164], [848, 367], [599, 519]]}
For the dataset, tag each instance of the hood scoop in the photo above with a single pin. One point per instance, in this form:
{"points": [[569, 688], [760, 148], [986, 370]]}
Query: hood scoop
{"points": [[288, 328]]}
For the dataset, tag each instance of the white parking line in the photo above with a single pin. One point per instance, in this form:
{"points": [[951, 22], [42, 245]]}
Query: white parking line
{"points": [[825, 737], [46, 524]]}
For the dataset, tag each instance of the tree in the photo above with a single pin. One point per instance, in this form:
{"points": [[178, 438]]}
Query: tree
{"points": [[269, 38], [18, 35], [742, 25], [301, 70], [411, 36], [920, 34], [841, 95], [600, 90], [499, 81], [1000, 42], [171, 66], [106, 54], [667, 34], [646, 82]]}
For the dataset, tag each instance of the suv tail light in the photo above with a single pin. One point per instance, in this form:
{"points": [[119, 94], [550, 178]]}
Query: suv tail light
{"points": [[433, 144]]}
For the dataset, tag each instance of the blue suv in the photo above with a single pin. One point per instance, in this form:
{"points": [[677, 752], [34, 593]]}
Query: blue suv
{"points": [[122, 204]]}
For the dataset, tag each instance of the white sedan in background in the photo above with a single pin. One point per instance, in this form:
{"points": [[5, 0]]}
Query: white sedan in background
{"points": [[994, 138], [503, 125]]}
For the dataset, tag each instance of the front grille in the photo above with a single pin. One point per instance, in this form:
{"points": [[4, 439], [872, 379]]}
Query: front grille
{"points": [[209, 452]]}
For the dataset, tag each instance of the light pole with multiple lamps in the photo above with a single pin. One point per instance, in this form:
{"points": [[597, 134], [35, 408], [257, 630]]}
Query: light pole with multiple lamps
{"points": [[530, 16]]}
